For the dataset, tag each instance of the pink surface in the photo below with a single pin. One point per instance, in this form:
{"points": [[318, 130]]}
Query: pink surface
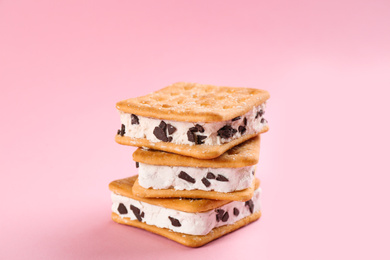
{"points": [[324, 163]]}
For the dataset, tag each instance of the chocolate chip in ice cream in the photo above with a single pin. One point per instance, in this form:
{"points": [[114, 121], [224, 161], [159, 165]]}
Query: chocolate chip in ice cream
{"points": [[137, 213], [219, 215], [122, 130], [263, 121], [226, 132], [136, 164], [250, 205], [236, 118], [191, 136], [118, 132], [210, 175], [159, 133], [171, 129], [134, 119], [206, 182], [122, 209], [175, 222], [193, 129], [241, 129], [170, 139], [200, 128], [186, 177], [236, 211], [225, 217], [163, 125], [221, 178], [200, 138], [260, 113], [245, 121]]}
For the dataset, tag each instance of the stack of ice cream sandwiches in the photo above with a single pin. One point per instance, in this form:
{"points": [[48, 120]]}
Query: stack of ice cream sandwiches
{"points": [[198, 150]]}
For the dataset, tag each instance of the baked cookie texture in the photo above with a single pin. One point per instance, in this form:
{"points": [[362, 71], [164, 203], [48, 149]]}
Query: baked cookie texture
{"points": [[189, 240], [244, 154], [242, 195], [192, 102]]}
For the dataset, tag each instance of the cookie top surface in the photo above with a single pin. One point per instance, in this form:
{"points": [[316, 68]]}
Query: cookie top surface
{"points": [[124, 187], [244, 154], [194, 102]]}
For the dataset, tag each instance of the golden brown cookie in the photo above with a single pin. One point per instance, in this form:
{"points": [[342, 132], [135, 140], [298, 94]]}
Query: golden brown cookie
{"points": [[194, 102], [244, 154], [189, 240], [197, 151], [242, 195]]}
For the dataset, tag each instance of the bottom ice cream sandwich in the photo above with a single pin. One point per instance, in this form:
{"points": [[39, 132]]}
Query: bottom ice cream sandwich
{"points": [[191, 222]]}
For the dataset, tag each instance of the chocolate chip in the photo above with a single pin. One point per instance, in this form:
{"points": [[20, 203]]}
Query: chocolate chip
{"points": [[253, 172], [225, 217], [163, 125], [219, 214], [236, 211], [175, 222], [122, 209], [249, 204], [210, 175], [206, 182], [134, 120], [244, 121], [197, 128], [160, 134], [193, 129], [200, 138], [200, 128], [260, 113], [185, 176], [135, 209], [136, 164], [236, 118], [263, 121], [170, 139], [142, 214], [123, 130], [137, 212], [221, 178], [191, 136], [241, 129], [226, 132], [171, 129], [119, 132]]}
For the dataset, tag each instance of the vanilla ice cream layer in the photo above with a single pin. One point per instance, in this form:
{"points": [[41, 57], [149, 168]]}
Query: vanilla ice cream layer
{"points": [[183, 222], [193, 178], [180, 132]]}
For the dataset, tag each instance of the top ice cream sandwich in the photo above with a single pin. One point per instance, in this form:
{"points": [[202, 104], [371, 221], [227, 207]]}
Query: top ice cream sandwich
{"points": [[201, 121]]}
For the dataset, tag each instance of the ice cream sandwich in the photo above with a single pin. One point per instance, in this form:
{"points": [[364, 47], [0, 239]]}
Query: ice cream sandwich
{"points": [[227, 177], [187, 221], [201, 121]]}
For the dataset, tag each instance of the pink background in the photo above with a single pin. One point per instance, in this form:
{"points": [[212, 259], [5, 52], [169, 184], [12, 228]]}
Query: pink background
{"points": [[324, 164]]}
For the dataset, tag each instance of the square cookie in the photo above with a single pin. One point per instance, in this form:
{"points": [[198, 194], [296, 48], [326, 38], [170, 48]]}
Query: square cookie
{"points": [[190, 119], [190, 222]]}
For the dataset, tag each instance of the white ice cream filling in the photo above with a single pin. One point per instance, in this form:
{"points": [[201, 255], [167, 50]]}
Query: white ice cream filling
{"points": [[208, 179], [144, 127], [183, 222]]}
